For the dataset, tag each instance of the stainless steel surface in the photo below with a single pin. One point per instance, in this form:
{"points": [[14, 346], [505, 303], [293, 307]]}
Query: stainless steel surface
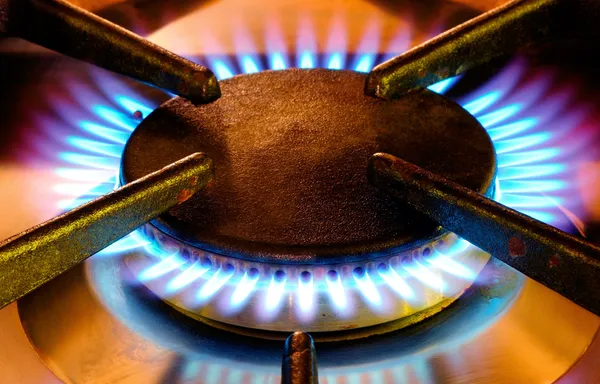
{"points": [[324, 315], [18, 361], [537, 339], [131, 337]]}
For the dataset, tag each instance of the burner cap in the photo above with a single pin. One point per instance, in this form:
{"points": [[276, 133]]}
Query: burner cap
{"points": [[290, 150]]}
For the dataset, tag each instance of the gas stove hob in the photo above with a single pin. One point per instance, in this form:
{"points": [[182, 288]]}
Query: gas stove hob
{"points": [[292, 212], [340, 199]]}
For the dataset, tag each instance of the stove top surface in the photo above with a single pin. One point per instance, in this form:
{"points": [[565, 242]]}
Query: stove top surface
{"points": [[96, 324]]}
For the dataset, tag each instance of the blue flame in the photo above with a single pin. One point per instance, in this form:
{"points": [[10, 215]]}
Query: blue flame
{"points": [[221, 70], [335, 61], [498, 115], [367, 48], [396, 282], [243, 290], [481, 103], [131, 106], [451, 266], [511, 129], [306, 294], [364, 63], [444, 85], [274, 294], [278, 62], [188, 276], [249, 65], [161, 268], [425, 275], [527, 123], [95, 147], [214, 284], [367, 288], [119, 119], [94, 162], [336, 292], [110, 134]]}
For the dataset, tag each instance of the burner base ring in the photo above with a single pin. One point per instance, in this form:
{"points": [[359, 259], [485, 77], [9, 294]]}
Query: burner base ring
{"points": [[372, 302], [292, 235], [325, 337]]}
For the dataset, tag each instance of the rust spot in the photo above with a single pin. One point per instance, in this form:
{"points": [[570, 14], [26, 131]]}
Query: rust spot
{"points": [[422, 73], [554, 261], [443, 73], [211, 183], [516, 247], [183, 195], [406, 171], [425, 181], [183, 86], [138, 115], [200, 77], [193, 181], [404, 174]]}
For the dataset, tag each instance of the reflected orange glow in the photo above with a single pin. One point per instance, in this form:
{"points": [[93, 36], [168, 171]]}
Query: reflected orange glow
{"points": [[588, 176], [29, 200], [205, 31]]}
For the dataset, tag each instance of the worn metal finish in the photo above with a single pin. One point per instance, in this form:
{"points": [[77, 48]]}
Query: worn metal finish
{"points": [[325, 321], [535, 340], [291, 149], [41, 253], [501, 31], [65, 28], [135, 338], [299, 365], [267, 269], [562, 262]]}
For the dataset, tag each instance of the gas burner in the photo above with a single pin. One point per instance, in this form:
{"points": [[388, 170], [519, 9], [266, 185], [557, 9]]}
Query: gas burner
{"points": [[257, 243], [292, 216]]}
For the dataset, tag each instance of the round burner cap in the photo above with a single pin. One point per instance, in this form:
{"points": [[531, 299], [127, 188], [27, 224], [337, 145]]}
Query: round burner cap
{"points": [[290, 150]]}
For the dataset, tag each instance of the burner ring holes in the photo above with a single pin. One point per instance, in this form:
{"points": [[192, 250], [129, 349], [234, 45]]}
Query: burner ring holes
{"points": [[228, 268], [332, 275], [279, 275], [305, 276], [383, 267], [406, 260], [186, 255], [427, 252], [206, 262], [253, 273], [359, 272]]}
